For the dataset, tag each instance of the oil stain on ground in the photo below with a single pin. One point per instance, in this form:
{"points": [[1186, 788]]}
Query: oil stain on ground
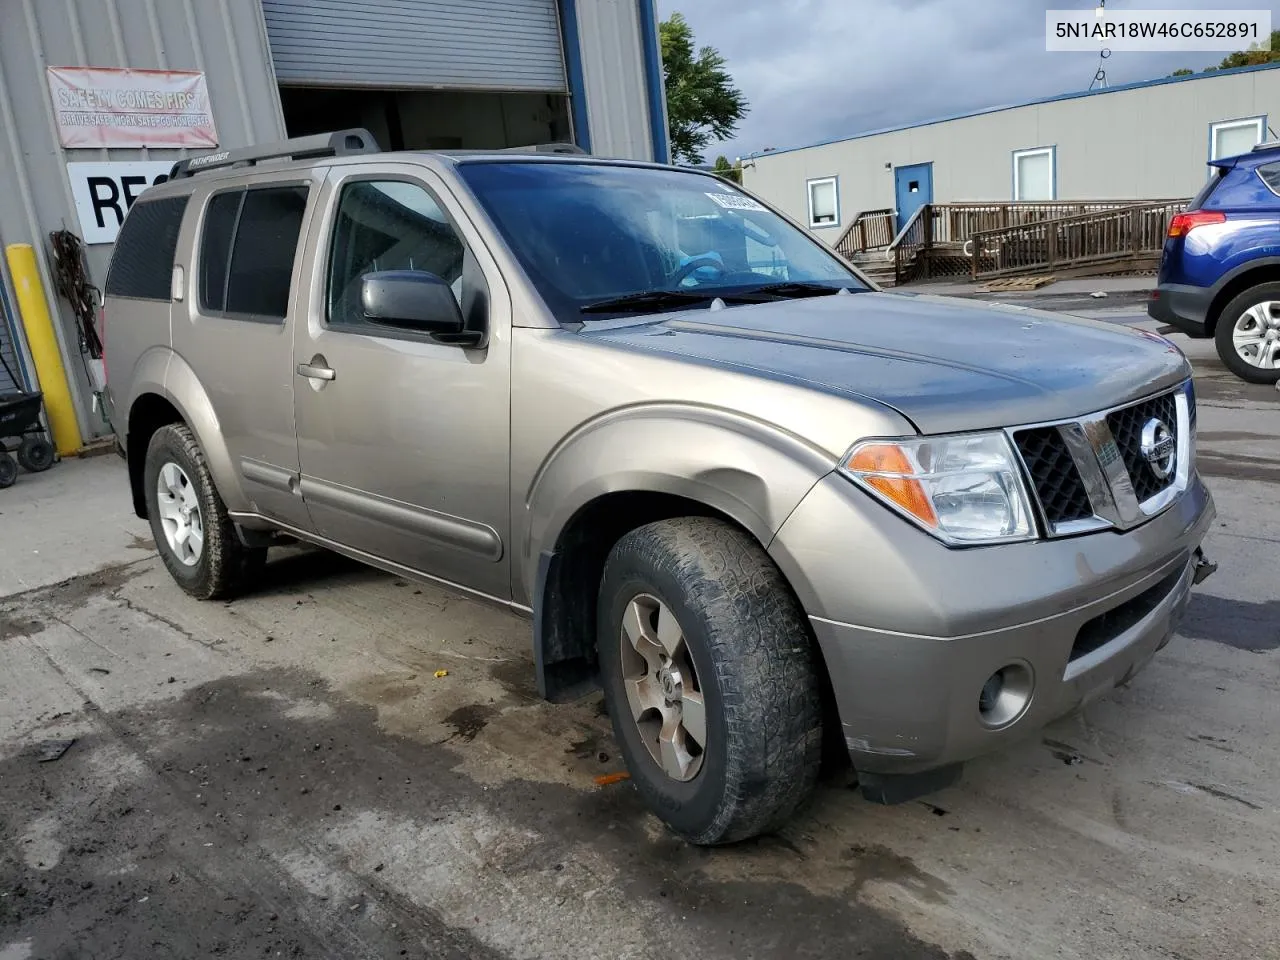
{"points": [[178, 851]]}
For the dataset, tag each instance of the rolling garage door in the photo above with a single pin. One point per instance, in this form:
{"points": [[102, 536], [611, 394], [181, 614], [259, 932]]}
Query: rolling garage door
{"points": [[450, 44]]}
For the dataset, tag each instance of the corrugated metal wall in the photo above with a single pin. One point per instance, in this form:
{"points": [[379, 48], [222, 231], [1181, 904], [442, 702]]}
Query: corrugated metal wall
{"points": [[226, 39], [613, 74], [452, 44], [1146, 142], [8, 350]]}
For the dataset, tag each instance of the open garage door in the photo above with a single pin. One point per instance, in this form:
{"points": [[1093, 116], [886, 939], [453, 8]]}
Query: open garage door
{"points": [[427, 44], [422, 74]]}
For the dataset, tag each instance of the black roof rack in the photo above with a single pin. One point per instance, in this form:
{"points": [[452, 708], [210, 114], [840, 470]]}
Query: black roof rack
{"points": [[340, 143]]}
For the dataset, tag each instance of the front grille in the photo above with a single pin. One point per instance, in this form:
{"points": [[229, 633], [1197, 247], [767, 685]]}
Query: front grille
{"points": [[1101, 630], [1126, 427], [1054, 476]]}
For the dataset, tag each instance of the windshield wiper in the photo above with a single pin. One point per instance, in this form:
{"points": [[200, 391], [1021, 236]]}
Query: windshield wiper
{"points": [[660, 299], [796, 288], [649, 299]]}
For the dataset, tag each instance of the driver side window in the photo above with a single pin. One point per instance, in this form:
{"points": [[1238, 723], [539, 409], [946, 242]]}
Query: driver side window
{"points": [[388, 225]]}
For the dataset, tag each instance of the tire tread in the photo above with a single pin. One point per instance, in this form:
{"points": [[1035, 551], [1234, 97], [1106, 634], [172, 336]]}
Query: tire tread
{"points": [[766, 668], [226, 564]]}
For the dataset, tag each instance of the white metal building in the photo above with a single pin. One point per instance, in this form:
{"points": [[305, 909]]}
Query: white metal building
{"points": [[419, 74], [1139, 141]]}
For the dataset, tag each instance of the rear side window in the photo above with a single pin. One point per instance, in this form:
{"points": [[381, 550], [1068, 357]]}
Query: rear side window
{"points": [[247, 248], [142, 264], [1270, 175]]}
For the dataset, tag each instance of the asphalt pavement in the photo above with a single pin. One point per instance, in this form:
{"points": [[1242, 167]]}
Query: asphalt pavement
{"points": [[288, 775]]}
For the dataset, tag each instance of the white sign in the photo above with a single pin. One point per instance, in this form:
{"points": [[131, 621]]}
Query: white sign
{"points": [[1193, 31], [736, 201], [114, 107], [104, 192]]}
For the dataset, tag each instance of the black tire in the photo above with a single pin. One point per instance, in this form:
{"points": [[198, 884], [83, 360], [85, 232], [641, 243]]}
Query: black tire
{"points": [[756, 666], [8, 470], [1222, 336], [35, 454], [224, 564]]}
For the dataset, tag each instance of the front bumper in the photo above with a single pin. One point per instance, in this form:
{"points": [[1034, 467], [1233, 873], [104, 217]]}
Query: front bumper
{"points": [[1181, 305], [911, 630]]}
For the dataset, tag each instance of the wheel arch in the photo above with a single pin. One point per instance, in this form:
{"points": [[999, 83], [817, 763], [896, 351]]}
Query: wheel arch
{"points": [[176, 396], [1252, 274], [665, 464]]}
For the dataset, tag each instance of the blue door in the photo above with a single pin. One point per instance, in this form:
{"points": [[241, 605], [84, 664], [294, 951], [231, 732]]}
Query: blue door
{"points": [[913, 188]]}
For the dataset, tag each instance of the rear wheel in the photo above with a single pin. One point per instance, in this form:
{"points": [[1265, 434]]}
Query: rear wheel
{"points": [[1248, 334], [195, 538], [8, 470], [711, 679], [35, 454]]}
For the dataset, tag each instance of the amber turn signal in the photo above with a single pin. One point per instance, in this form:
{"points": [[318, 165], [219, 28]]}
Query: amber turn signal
{"points": [[886, 468]]}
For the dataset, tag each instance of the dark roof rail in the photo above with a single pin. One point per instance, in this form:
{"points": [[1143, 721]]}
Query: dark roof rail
{"points": [[545, 148], [340, 143]]}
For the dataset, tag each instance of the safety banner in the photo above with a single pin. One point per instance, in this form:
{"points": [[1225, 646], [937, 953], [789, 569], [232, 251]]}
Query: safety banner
{"points": [[120, 107]]}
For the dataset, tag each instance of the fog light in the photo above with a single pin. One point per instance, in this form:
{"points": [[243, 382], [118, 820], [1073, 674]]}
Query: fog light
{"points": [[1006, 695]]}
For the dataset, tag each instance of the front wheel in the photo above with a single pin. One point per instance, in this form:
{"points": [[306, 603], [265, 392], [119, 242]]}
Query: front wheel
{"points": [[8, 470], [1248, 334], [711, 679]]}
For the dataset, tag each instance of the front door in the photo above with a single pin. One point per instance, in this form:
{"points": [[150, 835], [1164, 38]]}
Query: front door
{"points": [[913, 188], [404, 442]]}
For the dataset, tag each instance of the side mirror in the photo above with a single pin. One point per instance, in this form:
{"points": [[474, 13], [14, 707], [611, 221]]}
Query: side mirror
{"points": [[415, 300]]}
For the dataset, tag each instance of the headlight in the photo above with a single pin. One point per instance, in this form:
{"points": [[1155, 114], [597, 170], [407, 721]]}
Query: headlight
{"points": [[964, 489]]}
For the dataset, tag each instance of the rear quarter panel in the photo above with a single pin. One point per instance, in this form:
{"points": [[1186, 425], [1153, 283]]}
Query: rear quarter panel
{"points": [[1251, 232], [137, 350]]}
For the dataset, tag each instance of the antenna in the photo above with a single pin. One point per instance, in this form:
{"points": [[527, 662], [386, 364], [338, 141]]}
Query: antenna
{"points": [[1100, 74]]}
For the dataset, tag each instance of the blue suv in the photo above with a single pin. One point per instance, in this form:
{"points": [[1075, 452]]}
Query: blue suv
{"points": [[1220, 270]]}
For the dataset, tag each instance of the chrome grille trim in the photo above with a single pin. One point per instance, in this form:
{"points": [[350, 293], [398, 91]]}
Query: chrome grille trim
{"points": [[1103, 472]]}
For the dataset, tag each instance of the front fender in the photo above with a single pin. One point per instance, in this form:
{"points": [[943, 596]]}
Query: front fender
{"points": [[182, 388], [749, 470]]}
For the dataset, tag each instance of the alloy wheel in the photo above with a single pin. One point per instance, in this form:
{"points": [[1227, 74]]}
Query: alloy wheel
{"points": [[663, 690], [179, 505], [1256, 335]]}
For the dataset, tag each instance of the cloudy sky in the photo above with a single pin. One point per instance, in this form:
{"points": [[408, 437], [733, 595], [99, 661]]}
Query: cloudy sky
{"points": [[822, 69]]}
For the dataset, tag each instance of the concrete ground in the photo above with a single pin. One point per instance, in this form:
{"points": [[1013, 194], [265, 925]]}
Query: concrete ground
{"points": [[286, 775]]}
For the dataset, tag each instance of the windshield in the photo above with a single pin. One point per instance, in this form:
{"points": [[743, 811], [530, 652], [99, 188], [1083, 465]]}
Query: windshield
{"points": [[588, 234]]}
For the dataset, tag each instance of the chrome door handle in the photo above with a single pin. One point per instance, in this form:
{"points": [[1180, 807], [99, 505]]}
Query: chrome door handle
{"points": [[312, 372]]}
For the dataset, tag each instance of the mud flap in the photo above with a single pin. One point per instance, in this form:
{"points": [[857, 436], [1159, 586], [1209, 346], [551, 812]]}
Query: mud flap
{"points": [[895, 788]]}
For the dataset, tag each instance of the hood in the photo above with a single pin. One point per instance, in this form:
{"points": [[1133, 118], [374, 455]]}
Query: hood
{"points": [[946, 364]]}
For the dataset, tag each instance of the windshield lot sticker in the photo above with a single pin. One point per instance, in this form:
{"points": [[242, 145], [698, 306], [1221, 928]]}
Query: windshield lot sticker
{"points": [[735, 201]]}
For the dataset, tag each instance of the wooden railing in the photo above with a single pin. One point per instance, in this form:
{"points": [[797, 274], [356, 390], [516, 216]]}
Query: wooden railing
{"points": [[870, 230], [915, 237], [1131, 234], [930, 244]]}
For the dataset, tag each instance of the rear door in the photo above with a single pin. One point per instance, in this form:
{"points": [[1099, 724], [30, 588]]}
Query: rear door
{"points": [[405, 442], [237, 334]]}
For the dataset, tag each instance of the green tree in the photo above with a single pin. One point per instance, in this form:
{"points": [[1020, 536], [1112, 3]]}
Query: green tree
{"points": [[730, 171], [1250, 57], [702, 103]]}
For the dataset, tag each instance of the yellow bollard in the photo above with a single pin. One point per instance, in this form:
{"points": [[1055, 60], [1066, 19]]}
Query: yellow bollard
{"points": [[43, 343]]}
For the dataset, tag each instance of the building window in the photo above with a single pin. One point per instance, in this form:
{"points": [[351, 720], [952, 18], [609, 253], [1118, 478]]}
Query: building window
{"points": [[824, 203], [1230, 138], [1035, 174]]}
